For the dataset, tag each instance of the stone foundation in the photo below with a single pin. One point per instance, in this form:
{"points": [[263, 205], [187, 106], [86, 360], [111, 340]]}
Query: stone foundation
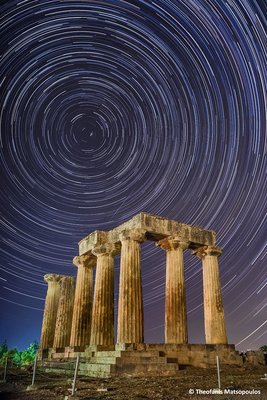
{"points": [[141, 359]]}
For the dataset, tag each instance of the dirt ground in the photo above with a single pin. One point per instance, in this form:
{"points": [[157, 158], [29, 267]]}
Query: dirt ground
{"points": [[188, 384]]}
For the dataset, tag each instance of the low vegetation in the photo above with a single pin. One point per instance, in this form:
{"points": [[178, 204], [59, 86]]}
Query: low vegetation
{"points": [[18, 358]]}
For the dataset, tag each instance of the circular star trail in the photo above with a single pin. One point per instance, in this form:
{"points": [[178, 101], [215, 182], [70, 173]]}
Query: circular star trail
{"points": [[110, 108]]}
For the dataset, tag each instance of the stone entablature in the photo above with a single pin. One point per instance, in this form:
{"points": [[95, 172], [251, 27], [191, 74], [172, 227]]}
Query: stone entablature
{"points": [[155, 227]]}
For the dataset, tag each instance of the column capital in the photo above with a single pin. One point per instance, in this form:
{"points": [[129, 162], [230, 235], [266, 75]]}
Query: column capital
{"points": [[108, 248], [86, 261], [52, 278], [138, 235], [173, 243], [204, 251]]}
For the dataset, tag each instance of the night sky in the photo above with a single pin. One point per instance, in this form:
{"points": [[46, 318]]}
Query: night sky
{"points": [[109, 108]]}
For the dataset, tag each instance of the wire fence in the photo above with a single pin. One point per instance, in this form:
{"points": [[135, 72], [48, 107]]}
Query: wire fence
{"points": [[34, 373]]}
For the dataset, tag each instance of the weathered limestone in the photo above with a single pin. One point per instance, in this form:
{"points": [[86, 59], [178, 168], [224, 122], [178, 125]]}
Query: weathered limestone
{"points": [[255, 357], [50, 310], [143, 360], [91, 333], [215, 331], [155, 227], [175, 303], [130, 309], [64, 313], [81, 322], [102, 331]]}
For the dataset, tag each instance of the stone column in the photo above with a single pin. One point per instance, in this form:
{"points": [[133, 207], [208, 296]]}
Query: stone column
{"points": [[64, 313], [175, 300], [130, 308], [82, 310], [50, 310], [102, 330], [215, 331]]}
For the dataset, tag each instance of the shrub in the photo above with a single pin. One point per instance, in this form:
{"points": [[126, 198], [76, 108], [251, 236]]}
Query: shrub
{"points": [[18, 358]]}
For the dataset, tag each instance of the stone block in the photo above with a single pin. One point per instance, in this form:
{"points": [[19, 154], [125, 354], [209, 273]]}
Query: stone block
{"points": [[103, 360], [156, 228], [96, 370], [100, 348], [74, 349], [138, 358], [147, 369], [255, 357]]}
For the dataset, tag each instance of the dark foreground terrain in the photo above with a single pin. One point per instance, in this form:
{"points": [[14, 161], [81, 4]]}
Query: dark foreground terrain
{"points": [[188, 384]]}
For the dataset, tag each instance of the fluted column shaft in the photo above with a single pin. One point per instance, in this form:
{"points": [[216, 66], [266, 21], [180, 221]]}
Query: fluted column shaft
{"points": [[82, 310], [215, 330], [65, 312], [175, 300], [102, 330], [50, 310], [130, 308]]}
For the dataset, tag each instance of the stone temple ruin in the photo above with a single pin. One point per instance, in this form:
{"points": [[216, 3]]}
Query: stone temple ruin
{"points": [[77, 322]]}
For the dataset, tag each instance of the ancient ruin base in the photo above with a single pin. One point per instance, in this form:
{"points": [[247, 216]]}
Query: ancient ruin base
{"points": [[140, 359]]}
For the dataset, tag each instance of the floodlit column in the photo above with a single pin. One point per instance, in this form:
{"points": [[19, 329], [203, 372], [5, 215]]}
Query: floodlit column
{"points": [[175, 301], [215, 331], [64, 313], [102, 330], [50, 310], [130, 308], [82, 310]]}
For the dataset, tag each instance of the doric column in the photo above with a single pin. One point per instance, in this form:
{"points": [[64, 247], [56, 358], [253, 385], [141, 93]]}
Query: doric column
{"points": [[175, 301], [82, 310], [102, 328], [130, 308], [50, 310], [64, 313], [215, 331]]}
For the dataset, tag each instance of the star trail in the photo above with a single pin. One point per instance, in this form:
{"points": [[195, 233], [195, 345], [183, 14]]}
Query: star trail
{"points": [[109, 108]]}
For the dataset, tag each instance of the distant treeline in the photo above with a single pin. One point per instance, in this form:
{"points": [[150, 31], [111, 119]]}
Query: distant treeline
{"points": [[19, 358]]}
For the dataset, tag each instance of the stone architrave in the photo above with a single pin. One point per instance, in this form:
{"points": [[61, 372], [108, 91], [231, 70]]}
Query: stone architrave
{"points": [[175, 300], [130, 308], [215, 331], [102, 328], [65, 312], [82, 310], [50, 310]]}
